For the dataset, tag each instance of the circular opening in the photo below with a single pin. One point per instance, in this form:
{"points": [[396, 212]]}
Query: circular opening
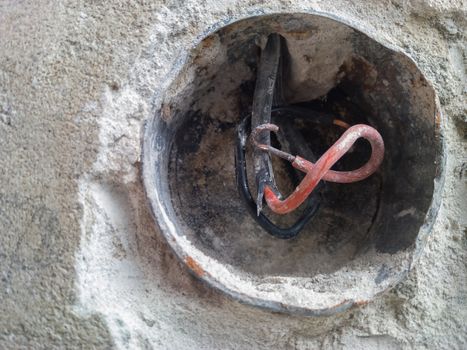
{"points": [[363, 239]]}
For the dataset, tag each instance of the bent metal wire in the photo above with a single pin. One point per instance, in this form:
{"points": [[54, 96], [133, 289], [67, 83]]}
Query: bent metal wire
{"points": [[268, 101], [322, 168]]}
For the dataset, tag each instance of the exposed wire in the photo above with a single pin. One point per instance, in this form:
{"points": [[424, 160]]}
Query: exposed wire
{"points": [[321, 170]]}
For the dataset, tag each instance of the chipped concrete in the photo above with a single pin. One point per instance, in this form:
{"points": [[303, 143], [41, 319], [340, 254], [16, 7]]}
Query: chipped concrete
{"points": [[82, 263]]}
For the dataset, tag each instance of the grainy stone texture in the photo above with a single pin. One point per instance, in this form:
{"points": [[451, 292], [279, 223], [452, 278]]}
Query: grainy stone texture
{"points": [[81, 262]]}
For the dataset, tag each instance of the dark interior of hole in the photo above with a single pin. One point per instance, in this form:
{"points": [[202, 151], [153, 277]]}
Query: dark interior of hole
{"points": [[203, 180], [384, 211]]}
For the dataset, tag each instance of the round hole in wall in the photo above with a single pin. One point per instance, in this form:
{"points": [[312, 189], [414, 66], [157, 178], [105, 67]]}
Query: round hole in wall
{"points": [[366, 235]]}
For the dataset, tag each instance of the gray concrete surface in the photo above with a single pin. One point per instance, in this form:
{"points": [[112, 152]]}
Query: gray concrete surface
{"points": [[81, 262]]}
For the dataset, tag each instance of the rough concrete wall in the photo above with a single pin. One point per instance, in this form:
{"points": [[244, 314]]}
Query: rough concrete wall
{"points": [[81, 262]]}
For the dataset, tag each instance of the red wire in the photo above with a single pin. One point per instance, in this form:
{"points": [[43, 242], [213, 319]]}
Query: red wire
{"points": [[321, 169]]}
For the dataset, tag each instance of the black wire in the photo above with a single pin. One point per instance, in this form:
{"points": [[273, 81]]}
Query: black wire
{"points": [[313, 202]]}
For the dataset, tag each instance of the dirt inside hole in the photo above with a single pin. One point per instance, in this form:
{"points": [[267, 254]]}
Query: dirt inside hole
{"points": [[363, 237], [202, 179]]}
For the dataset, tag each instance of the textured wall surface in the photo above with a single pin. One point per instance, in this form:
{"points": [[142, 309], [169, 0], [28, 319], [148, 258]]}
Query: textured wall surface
{"points": [[82, 264]]}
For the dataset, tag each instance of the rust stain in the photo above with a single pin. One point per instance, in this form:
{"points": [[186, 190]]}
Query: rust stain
{"points": [[194, 266], [360, 71], [438, 120], [299, 35], [166, 112], [208, 42], [361, 302], [229, 29], [345, 301]]}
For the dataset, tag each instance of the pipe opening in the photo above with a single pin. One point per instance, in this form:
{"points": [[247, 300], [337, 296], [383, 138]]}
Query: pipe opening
{"points": [[362, 239]]}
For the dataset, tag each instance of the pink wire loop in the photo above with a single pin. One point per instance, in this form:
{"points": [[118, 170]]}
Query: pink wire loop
{"points": [[321, 170]]}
